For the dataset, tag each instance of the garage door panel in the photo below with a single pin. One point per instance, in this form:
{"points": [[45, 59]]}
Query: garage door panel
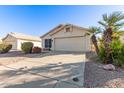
{"points": [[69, 44]]}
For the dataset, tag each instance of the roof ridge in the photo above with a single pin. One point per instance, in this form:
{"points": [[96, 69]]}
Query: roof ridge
{"points": [[24, 36], [66, 24], [18, 33]]}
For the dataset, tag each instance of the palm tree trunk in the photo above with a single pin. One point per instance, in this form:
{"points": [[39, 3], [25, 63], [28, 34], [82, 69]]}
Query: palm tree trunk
{"points": [[95, 43], [107, 41]]}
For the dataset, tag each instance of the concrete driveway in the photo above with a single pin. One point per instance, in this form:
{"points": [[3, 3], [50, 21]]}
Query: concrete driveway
{"points": [[49, 70]]}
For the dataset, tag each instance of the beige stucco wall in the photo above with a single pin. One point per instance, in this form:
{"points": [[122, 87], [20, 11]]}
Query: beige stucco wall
{"points": [[0, 41], [19, 42], [11, 40], [75, 33]]}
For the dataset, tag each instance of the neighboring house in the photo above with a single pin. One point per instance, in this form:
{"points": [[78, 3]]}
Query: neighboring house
{"points": [[16, 39], [0, 41], [67, 37]]}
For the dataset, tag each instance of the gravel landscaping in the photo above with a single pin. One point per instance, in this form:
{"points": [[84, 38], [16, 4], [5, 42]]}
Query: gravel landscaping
{"points": [[96, 76]]}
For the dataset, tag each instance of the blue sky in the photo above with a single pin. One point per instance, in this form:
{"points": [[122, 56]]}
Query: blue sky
{"points": [[37, 20]]}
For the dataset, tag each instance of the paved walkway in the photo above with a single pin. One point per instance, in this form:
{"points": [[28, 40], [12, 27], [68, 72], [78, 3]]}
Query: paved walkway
{"points": [[50, 70]]}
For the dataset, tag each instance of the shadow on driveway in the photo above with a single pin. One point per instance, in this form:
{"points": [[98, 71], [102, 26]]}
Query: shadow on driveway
{"points": [[49, 76]]}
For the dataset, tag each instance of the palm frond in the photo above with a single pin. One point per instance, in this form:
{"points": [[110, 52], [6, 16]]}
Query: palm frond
{"points": [[116, 28], [114, 19], [119, 24], [105, 17], [95, 30], [102, 23]]}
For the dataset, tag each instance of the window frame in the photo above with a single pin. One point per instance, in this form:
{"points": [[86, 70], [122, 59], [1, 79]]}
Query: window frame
{"points": [[48, 43]]}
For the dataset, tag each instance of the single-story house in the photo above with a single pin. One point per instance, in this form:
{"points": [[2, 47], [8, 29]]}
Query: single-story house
{"points": [[67, 37], [16, 39]]}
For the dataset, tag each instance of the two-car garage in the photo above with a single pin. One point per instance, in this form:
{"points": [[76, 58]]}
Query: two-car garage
{"points": [[70, 44]]}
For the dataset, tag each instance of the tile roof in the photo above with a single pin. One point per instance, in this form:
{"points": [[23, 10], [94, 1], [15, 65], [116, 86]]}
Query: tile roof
{"points": [[23, 36], [64, 25]]}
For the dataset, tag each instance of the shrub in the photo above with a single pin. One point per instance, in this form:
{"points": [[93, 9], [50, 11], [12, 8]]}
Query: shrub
{"points": [[122, 49], [36, 50], [117, 52], [4, 48], [102, 52], [27, 47]]}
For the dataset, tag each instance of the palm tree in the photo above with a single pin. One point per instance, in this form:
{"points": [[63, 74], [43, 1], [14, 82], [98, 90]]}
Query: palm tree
{"points": [[95, 30], [110, 23]]}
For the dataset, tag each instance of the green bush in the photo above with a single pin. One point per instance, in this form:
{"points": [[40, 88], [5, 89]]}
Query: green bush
{"points": [[27, 47], [4, 48], [122, 49], [117, 52], [101, 53], [117, 48]]}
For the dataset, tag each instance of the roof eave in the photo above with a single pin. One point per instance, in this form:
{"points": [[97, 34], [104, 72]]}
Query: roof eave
{"points": [[51, 30], [86, 29]]}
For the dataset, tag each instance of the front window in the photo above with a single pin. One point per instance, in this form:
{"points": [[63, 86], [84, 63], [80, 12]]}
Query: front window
{"points": [[48, 43]]}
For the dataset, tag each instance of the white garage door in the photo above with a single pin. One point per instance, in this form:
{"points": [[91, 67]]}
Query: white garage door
{"points": [[70, 44]]}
